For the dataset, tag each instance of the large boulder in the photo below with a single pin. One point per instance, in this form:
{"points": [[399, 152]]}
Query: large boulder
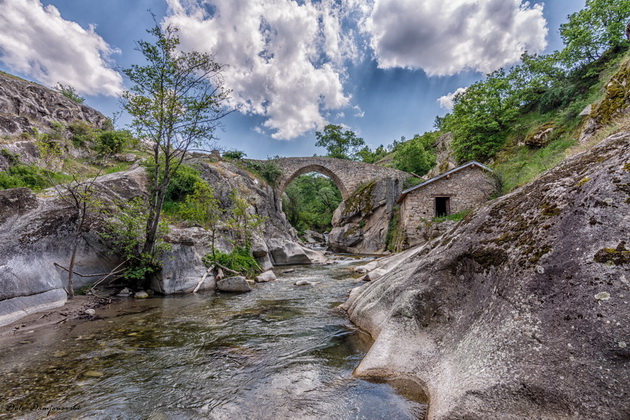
{"points": [[236, 284], [522, 311]]}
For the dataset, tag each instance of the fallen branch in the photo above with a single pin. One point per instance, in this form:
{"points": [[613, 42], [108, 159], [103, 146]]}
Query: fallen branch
{"points": [[208, 271], [84, 275], [228, 269]]}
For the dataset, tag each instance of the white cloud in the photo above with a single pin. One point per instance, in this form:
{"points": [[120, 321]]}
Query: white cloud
{"points": [[447, 101], [447, 37], [285, 59], [36, 41]]}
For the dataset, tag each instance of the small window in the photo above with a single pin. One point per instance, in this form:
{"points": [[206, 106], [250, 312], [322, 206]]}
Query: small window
{"points": [[442, 206]]}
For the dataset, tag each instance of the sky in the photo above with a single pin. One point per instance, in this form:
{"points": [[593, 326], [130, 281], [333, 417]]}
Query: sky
{"points": [[381, 68]]}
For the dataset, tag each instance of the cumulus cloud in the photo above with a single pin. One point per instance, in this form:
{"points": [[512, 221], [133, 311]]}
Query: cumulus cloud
{"points": [[448, 101], [285, 59], [447, 37], [36, 41]]}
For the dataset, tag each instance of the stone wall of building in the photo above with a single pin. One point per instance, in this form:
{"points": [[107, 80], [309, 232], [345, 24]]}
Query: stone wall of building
{"points": [[466, 188]]}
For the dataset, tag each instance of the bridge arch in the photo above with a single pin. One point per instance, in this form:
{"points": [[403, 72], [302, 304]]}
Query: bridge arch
{"points": [[314, 168], [347, 175]]}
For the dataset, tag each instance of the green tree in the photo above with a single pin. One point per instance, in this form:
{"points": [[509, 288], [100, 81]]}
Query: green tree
{"points": [[481, 116], [176, 103], [202, 207], [368, 155], [339, 143], [69, 92], [243, 222], [590, 32], [310, 201], [416, 155]]}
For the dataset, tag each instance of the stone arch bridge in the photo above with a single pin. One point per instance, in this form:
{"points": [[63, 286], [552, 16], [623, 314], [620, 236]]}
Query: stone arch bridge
{"points": [[346, 174]]}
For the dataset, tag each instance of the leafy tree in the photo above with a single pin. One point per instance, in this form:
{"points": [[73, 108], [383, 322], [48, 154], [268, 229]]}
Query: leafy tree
{"points": [[590, 32], [416, 155], [368, 156], [176, 103], [202, 207], [69, 92], [242, 222], [339, 143], [481, 116]]}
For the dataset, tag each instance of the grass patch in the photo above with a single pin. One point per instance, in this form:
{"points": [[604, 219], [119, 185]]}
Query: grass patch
{"points": [[240, 260], [523, 164], [33, 177], [455, 217]]}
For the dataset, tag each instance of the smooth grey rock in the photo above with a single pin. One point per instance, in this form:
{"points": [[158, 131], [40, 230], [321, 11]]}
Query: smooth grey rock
{"points": [[265, 277], [236, 284], [287, 253], [13, 309], [488, 334], [305, 283], [141, 294]]}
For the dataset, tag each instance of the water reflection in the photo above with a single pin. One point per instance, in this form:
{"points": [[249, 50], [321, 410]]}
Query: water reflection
{"points": [[279, 352]]}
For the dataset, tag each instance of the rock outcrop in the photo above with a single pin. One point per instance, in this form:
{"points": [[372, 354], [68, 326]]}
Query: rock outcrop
{"points": [[26, 107], [445, 161], [523, 309], [362, 221]]}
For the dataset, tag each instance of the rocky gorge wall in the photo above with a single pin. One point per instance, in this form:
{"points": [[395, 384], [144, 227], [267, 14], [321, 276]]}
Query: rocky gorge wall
{"points": [[37, 231], [26, 107], [522, 310]]}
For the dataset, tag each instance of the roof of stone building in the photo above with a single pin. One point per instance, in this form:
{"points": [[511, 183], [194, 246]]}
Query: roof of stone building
{"points": [[444, 175]]}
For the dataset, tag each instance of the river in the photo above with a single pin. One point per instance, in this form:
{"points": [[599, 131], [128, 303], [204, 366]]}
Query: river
{"points": [[279, 352]]}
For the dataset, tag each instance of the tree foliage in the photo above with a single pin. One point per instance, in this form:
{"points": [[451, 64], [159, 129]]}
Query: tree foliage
{"points": [[416, 155], [176, 103], [339, 143], [590, 32], [310, 201], [69, 92]]}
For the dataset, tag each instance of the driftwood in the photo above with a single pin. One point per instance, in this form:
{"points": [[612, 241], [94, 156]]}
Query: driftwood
{"points": [[208, 271]]}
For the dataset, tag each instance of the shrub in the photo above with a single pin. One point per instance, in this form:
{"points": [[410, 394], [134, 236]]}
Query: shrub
{"points": [[269, 171], [112, 141], [26, 176], [234, 154], [240, 260], [82, 133], [182, 184]]}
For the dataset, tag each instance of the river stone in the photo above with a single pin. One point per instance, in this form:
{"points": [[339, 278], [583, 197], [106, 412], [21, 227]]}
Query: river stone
{"points": [[287, 253], [471, 318], [236, 284], [265, 277], [141, 294]]}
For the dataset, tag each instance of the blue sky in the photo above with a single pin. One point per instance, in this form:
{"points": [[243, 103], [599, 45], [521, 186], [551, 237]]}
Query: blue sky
{"points": [[378, 67]]}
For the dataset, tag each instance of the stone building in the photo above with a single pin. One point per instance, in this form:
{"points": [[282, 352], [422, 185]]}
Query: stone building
{"points": [[457, 190]]}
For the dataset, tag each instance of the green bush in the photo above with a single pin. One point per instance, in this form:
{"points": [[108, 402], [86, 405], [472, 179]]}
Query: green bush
{"points": [[269, 171], [182, 184], [240, 260], [112, 141], [234, 154], [82, 133], [26, 176]]}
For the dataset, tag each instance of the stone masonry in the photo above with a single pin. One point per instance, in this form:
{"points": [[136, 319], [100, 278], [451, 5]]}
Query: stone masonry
{"points": [[346, 174], [459, 189]]}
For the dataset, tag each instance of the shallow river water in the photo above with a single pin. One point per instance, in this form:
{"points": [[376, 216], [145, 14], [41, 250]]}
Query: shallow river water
{"points": [[279, 352]]}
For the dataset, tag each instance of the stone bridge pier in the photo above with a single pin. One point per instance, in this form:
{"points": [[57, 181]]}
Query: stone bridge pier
{"points": [[346, 174]]}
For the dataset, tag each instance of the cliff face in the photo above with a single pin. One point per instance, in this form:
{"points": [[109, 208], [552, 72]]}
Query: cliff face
{"points": [[26, 106], [523, 309]]}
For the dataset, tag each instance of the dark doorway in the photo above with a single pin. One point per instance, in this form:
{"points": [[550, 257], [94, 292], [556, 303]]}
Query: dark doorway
{"points": [[442, 206]]}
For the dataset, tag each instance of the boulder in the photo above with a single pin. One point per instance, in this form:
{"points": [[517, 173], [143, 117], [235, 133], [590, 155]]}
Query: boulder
{"points": [[265, 277], [508, 316], [287, 253], [236, 284]]}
